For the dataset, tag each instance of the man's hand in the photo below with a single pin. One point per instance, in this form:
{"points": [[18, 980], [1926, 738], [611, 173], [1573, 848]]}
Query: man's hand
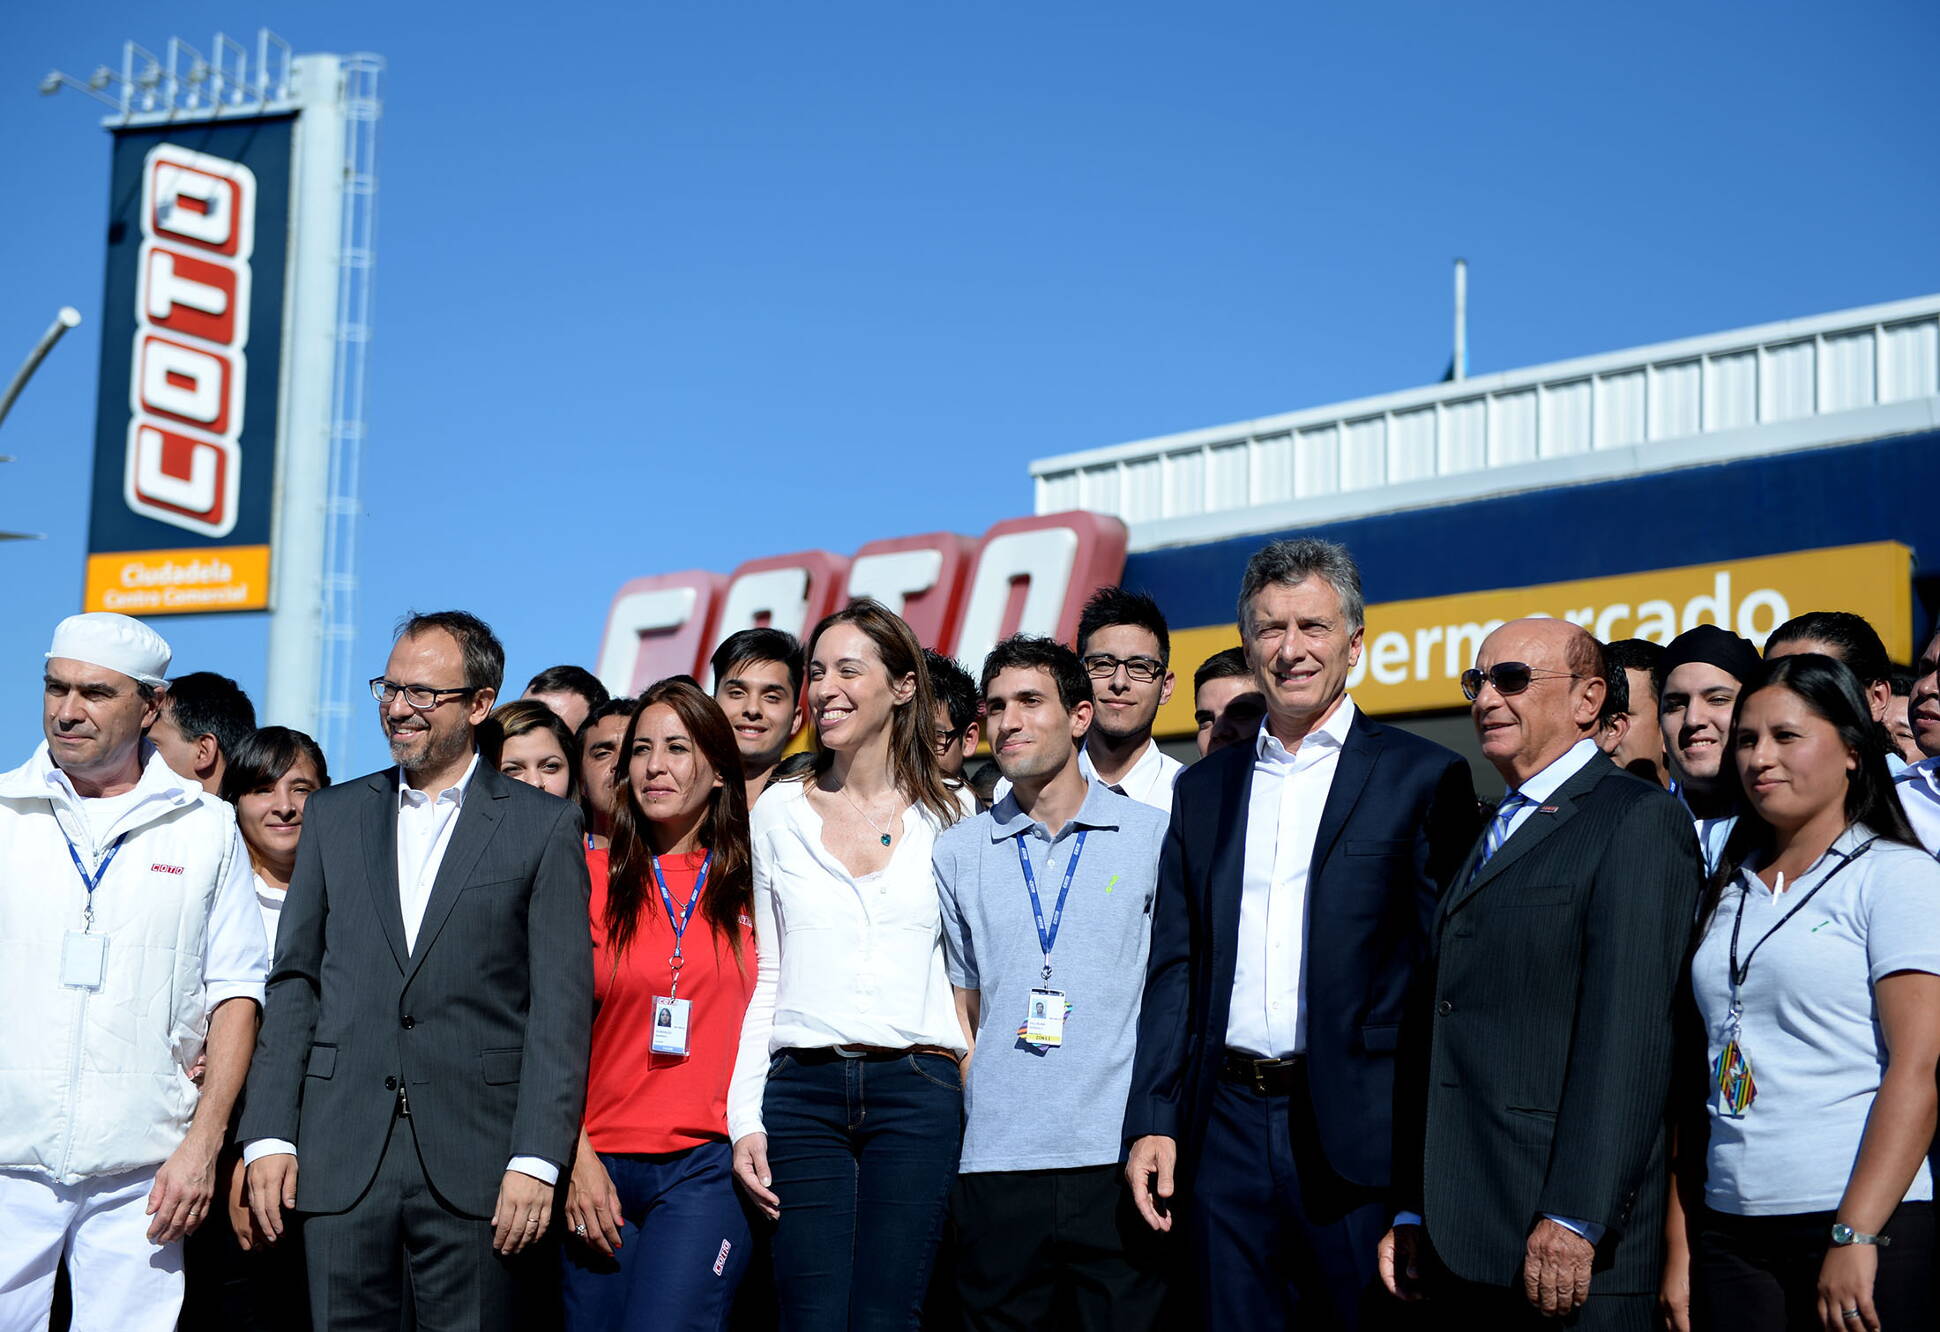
{"points": [[592, 1203], [184, 1186], [230, 1183], [1556, 1272], [1400, 1262], [524, 1211], [752, 1174], [1148, 1169], [272, 1188]]}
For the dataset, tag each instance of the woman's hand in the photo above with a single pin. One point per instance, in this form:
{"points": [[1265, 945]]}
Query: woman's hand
{"points": [[751, 1172], [1674, 1292], [1846, 1284], [592, 1203]]}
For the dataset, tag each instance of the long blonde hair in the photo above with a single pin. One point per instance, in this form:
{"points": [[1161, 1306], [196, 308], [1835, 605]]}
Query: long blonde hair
{"points": [[912, 724]]}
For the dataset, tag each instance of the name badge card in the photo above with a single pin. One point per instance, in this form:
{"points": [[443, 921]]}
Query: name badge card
{"points": [[1044, 1022], [670, 1025], [84, 960]]}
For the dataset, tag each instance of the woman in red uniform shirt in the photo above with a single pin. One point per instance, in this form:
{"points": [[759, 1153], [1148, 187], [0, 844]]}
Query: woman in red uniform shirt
{"points": [[660, 1238]]}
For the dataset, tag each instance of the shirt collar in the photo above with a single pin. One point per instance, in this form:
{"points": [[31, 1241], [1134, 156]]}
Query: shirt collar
{"points": [[1330, 734], [1926, 770], [1544, 784], [157, 780], [1099, 810], [1149, 757], [410, 795]]}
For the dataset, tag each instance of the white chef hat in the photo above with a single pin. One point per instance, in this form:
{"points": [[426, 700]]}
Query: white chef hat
{"points": [[118, 642]]}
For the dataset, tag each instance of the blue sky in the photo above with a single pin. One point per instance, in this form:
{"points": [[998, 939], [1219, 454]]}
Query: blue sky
{"points": [[665, 286]]}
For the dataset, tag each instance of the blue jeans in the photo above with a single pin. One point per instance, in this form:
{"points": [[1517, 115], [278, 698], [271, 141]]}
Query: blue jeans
{"points": [[863, 1152], [684, 1246]]}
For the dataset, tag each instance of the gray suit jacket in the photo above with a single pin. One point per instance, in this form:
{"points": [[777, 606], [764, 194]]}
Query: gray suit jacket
{"points": [[485, 1024], [1535, 1072]]}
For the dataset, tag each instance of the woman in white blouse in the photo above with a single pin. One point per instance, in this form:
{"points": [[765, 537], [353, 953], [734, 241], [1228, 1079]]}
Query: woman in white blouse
{"points": [[846, 1104], [1817, 985]]}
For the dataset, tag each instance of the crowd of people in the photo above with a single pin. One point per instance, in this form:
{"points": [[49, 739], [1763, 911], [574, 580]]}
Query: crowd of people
{"points": [[615, 1013]]}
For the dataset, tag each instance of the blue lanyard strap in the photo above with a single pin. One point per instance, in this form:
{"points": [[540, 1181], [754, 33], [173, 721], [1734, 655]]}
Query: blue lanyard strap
{"points": [[90, 881], [1047, 935], [679, 920]]}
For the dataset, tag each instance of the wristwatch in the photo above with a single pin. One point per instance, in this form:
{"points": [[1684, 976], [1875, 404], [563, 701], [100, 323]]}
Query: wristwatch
{"points": [[1843, 1234]]}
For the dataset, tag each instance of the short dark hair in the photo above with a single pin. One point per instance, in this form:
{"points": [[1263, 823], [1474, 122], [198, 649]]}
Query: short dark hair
{"points": [[1632, 654], [1616, 692], [599, 712], [954, 689], [484, 655], [1225, 664], [1853, 640], [1116, 605], [262, 757], [1901, 681], [569, 680], [760, 645], [1029, 652], [204, 703]]}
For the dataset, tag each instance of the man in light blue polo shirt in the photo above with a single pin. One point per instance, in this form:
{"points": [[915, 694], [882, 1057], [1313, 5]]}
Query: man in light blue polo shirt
{"points": [[1047, 913]]}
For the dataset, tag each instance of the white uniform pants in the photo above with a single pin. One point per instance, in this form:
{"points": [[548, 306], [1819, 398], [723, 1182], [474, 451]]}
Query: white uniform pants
{"points": [[122, 1282]]}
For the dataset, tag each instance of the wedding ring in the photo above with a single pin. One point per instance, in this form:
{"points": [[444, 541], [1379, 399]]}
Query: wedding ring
{"points": [[580, 1229], [1849, 1313]]}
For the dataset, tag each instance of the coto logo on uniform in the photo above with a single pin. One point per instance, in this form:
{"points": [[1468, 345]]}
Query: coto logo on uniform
{"points": [[1026, 575], [191, 325]]}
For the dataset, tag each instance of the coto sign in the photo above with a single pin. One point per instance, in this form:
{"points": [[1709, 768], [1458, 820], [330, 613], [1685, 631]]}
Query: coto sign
{"points": [[1026, 575], [191, 325]]}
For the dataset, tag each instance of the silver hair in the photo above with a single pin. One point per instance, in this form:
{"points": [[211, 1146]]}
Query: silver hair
{"points": [[1285, 563]]}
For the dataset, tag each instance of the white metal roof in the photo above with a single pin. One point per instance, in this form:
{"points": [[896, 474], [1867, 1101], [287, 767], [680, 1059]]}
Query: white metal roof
{"points": [[1852, 375]]}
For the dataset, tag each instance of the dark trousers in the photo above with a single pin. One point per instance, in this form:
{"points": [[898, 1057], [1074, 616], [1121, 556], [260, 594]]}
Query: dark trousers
{"points": [[1453, 1302], [1763, 1271], [863, 1152], [400, 1235], [1277, 1238], [1044, 1249], [243, 1290], [683, 1247]]}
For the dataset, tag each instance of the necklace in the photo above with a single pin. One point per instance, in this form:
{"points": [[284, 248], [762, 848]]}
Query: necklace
{"points": [[865, 815]]}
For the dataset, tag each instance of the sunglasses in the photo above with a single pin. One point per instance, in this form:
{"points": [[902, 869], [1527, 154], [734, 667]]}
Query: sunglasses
{"points": [[1508, 677]]}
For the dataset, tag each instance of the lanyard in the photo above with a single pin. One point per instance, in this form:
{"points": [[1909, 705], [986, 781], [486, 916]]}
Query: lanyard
{"points": [[1047, 937], [90, 882], [1740, 972], [679, 920]]}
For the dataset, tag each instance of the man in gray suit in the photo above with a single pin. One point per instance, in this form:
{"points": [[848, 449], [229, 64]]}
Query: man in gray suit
{"points": [[423, 1055], [1535, 1069]]}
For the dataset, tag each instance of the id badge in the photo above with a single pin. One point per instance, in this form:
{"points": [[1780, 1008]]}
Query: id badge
{"points": [[1044, 1021], [1731, 1075], [84, 960], [670, 1025]]}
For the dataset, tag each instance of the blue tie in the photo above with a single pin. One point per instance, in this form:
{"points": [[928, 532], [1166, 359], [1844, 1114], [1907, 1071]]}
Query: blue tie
{"points": [[1505, 814]]}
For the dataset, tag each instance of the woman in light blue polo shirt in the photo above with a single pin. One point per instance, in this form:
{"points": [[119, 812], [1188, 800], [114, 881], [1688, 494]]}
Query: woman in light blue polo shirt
{"points": [[1817, 980]]}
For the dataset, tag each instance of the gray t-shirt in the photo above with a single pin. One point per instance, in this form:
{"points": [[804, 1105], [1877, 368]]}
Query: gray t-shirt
{"points": [[1811, 1027], [1030, 1107]]}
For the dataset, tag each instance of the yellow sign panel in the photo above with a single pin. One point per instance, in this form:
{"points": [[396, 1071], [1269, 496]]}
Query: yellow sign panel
{"points": [[179, 582], [1415, 651]]}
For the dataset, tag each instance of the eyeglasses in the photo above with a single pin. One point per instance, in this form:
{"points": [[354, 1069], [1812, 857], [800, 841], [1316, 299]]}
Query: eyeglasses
{"points": [[944, 739], [421, 697], [1144, 670], [1508, 677]]}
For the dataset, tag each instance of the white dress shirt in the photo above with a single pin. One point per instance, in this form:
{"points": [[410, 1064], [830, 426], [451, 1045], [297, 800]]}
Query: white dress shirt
{"points": [[839, 960], [1918, 787], [424, 828], [1268, 1016], [1150, 780]]}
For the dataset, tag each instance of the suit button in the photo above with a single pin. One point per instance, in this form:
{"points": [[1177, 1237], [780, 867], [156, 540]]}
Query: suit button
{"points": [[390, 1084], [409, 1022], [1444, 1008]]}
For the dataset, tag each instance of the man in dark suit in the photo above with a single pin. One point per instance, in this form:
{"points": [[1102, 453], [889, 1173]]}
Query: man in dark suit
{"points": [[1530, 1161], [1295, 893], [424, 1051]]}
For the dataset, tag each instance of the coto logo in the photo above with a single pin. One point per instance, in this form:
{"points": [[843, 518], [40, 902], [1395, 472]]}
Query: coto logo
{"points": [[1026, 575], [191, 325]]}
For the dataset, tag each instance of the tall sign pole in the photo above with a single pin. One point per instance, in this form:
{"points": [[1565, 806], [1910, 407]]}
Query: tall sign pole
{"points": [[236, 313]]}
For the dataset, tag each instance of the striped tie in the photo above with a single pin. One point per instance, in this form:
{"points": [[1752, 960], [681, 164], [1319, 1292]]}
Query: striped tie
{"points": [[1505, 814]]}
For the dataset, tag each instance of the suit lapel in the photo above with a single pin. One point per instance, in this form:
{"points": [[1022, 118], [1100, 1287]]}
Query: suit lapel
{"points": [[1228, 883], [478, 819], [1351, 771], [379, 833], [1538, 827]]}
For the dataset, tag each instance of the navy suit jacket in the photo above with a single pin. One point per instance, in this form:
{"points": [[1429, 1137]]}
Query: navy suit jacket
{"points": [[1399, 819]]}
